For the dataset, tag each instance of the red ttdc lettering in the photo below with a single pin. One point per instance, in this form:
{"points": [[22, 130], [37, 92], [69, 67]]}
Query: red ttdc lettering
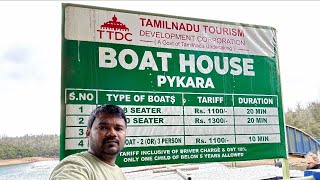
{"points": [[112, 35]]}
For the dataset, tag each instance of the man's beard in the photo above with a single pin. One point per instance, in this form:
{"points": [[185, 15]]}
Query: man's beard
{"points": [[111, 146]]}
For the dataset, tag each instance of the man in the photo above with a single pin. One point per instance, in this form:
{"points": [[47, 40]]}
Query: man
{"points": [[312, 161], [106, 132]]}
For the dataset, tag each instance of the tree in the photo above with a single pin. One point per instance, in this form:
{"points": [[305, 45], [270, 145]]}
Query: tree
{"points": [[306, 119], [29, 146]]}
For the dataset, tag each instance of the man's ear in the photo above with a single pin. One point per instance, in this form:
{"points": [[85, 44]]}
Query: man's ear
{"points": [[88, 132]]}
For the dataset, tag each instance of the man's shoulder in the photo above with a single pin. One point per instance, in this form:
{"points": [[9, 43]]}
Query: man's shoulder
{"points": [[75, 166], [81, 156]]}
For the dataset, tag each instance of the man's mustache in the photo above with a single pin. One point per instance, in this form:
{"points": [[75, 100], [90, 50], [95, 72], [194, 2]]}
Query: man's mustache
{"points": [[108, 140]]}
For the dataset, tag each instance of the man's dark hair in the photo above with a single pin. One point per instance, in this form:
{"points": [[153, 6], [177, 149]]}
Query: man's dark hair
{"points": [[110, 109]]}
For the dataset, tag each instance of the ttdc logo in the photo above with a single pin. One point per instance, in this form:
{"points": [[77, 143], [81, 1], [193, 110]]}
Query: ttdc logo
{"points": [[114, 30]]}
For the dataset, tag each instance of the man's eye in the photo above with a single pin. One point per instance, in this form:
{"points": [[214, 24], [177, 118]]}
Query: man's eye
{"points": [[101, 127], [119, 129]]}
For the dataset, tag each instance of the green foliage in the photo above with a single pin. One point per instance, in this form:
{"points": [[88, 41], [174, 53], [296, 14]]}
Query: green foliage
{"points": [[306, 119], [29, 146]]}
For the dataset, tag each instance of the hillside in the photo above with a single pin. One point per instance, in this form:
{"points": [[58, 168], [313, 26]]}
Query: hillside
{"points": [[306, 119], [29, 146]]}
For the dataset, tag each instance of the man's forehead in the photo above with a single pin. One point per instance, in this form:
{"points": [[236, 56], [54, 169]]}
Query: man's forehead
{"points": [[108, 117]]}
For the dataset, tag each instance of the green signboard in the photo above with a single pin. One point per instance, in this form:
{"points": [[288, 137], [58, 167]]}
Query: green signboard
{"points": [[194, 90]]}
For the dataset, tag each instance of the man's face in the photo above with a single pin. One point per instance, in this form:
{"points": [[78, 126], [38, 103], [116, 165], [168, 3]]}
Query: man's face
{"points": [[107, 135]]}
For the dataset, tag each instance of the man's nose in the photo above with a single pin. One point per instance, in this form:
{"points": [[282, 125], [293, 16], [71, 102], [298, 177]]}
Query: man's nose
{"points": [[111, 132]]}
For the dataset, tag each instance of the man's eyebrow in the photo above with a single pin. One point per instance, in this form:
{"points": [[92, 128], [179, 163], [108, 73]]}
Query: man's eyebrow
{"points": [[119, 124], [102, 123]]}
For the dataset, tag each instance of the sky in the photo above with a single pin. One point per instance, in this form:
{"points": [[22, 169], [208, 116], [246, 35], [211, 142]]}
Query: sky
{"points": [[30, 52]]}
